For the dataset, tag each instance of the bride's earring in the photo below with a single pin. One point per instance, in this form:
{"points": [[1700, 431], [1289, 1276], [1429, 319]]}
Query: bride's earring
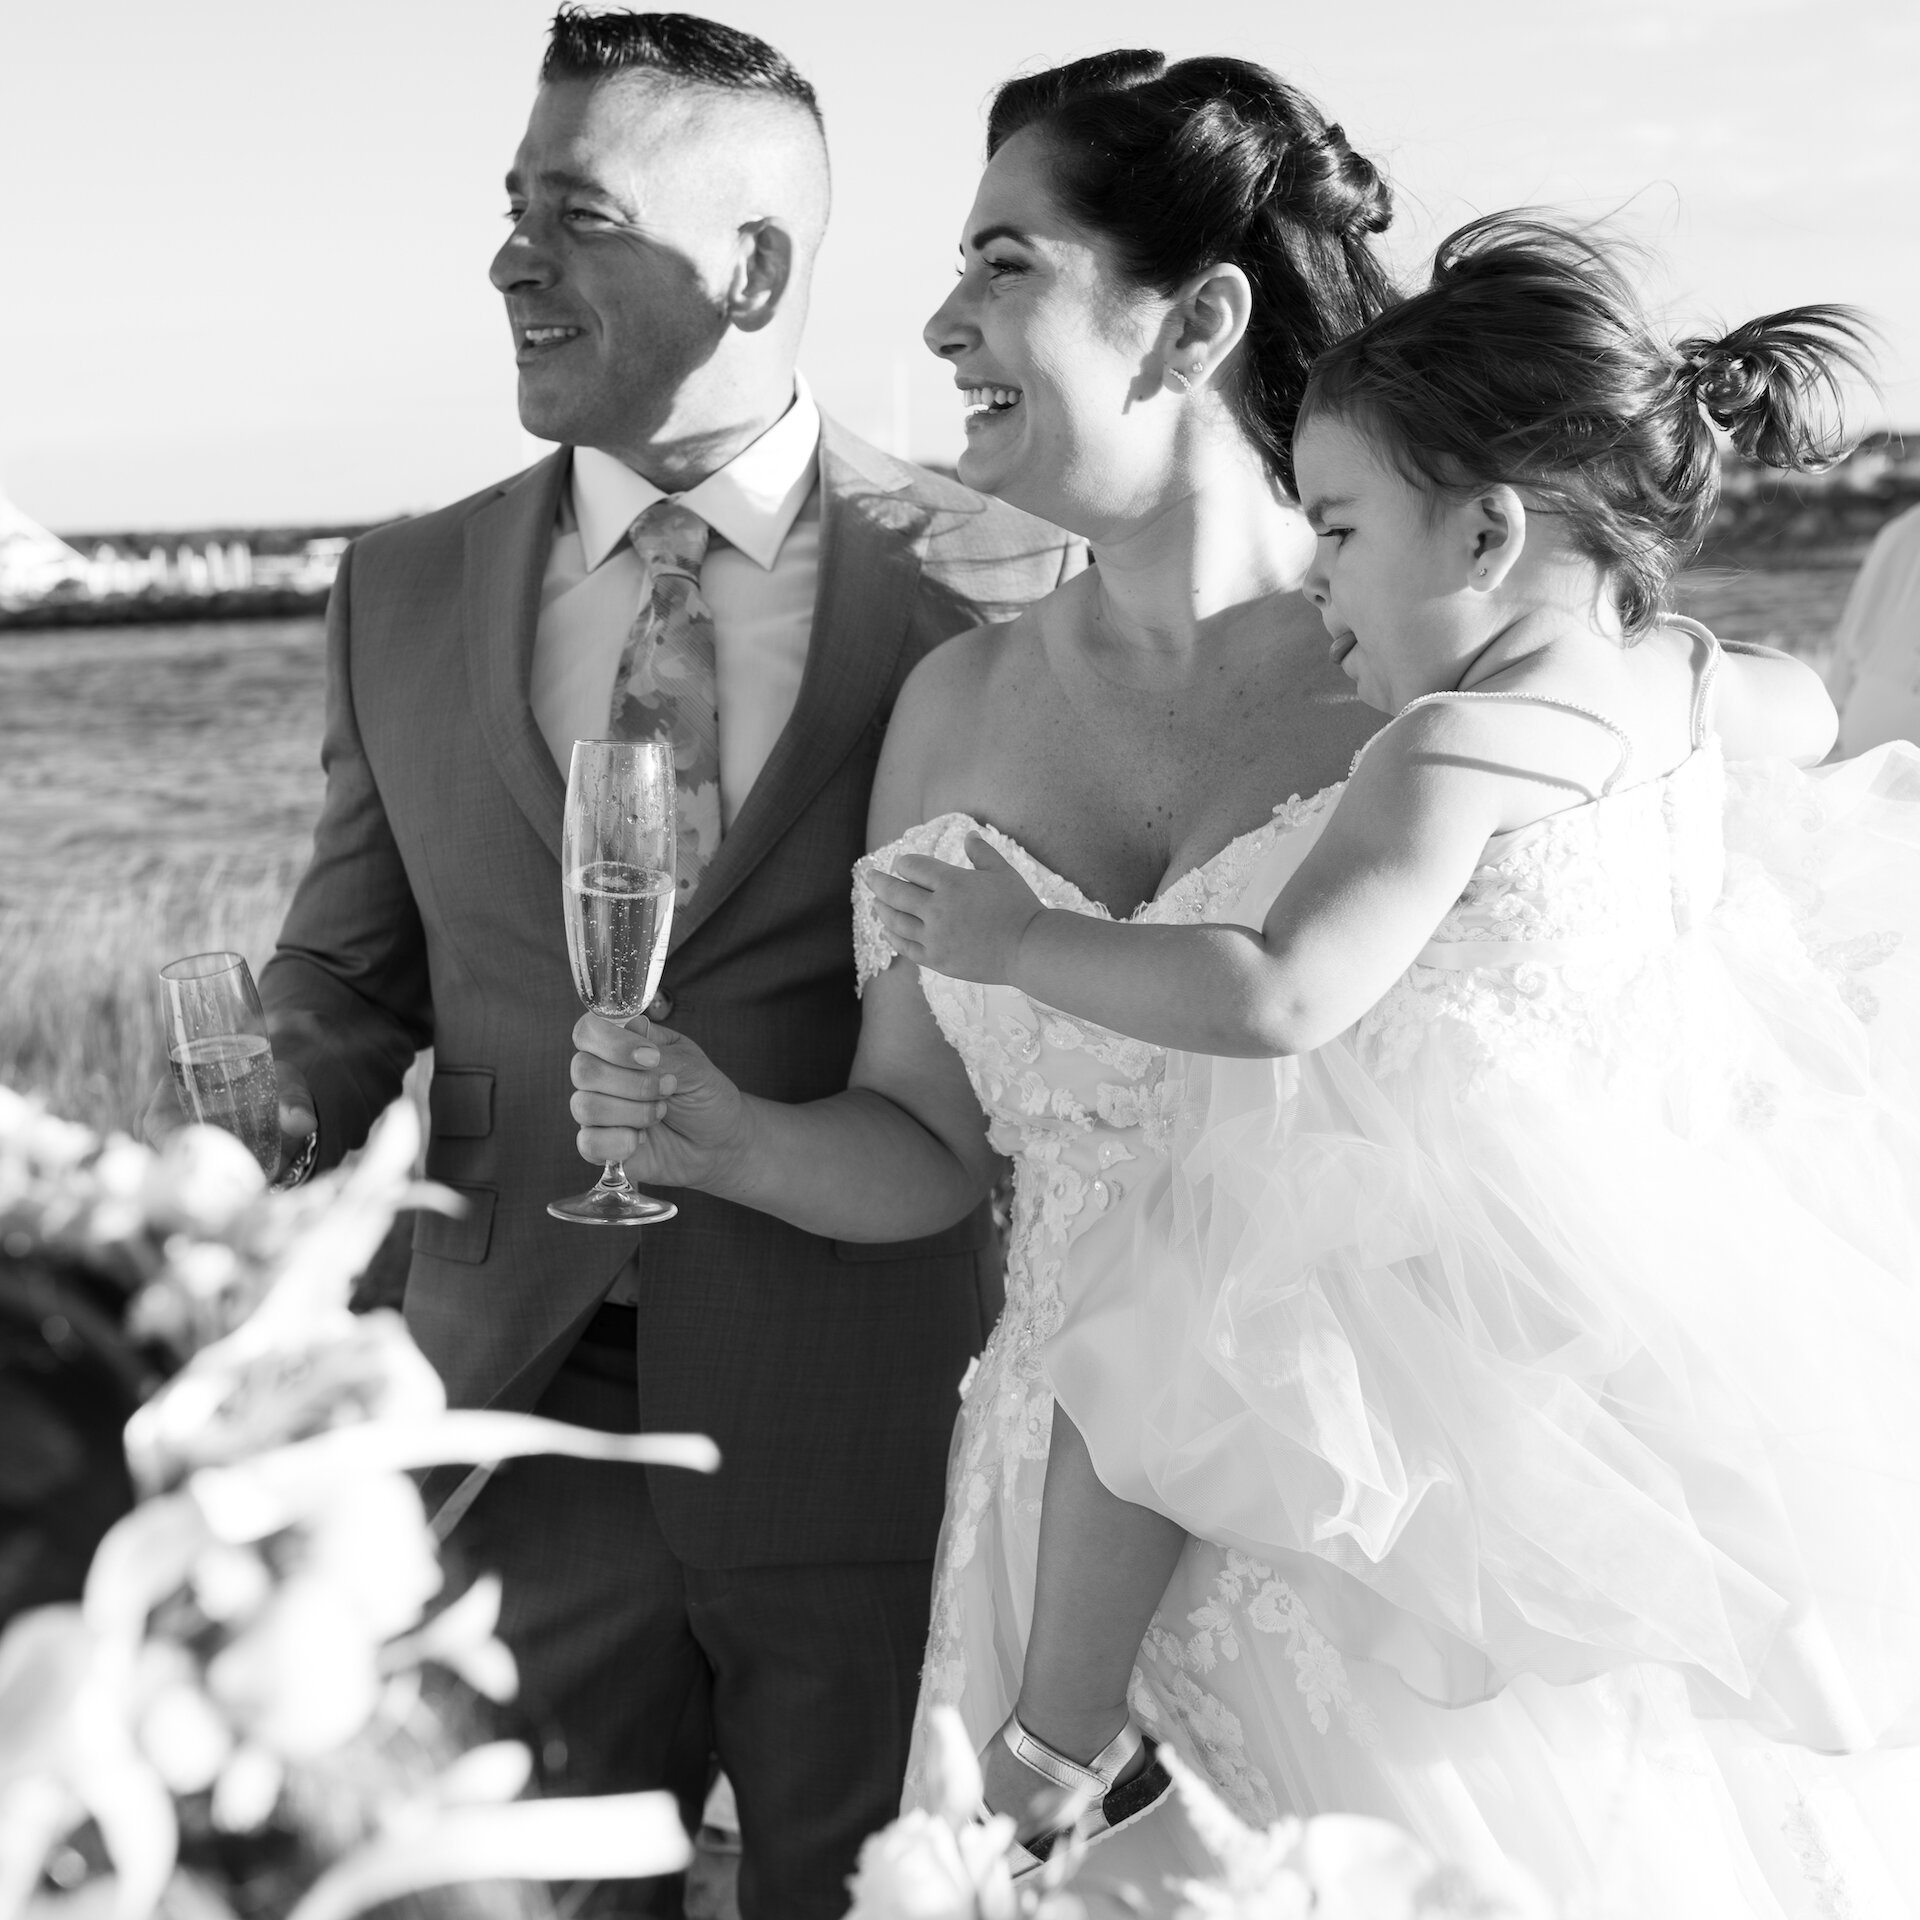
{"points": [[1178, 380]]}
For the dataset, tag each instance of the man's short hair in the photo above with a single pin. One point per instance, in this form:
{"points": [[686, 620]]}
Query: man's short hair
{"points": [[679, 47]]}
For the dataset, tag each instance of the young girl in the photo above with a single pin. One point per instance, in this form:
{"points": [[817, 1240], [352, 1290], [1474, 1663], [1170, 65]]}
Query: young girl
{"points": [[1550, 1312]]}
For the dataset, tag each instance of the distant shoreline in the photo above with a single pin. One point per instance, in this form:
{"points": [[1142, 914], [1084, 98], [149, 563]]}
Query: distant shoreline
{"points": [[1764, 523], [1722, 555], [152, 610]]}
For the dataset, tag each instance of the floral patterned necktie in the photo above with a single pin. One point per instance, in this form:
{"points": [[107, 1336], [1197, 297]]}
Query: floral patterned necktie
{"points": [[666, 686]]}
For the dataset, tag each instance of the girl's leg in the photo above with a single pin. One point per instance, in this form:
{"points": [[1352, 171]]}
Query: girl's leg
{"points": [[1103, 1565]]}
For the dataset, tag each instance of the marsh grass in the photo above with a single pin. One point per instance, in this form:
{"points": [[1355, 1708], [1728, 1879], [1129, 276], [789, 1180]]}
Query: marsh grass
{"points": [[80, 1006]]}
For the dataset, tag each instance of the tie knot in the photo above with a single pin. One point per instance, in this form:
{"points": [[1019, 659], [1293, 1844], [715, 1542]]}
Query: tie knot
{"points": [[669, 535]]}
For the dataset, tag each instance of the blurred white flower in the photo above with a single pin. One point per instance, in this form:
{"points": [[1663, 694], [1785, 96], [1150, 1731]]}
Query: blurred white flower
{"points": [[120, 1171], [67, 1751], [304, 1675], [201, 1181], [229, 1582], [484, 1776], [240, 1397], [262, 1606], [247, 1791], [47, 1145], [953, 1768], [947, 1864], [370, 1547], [983, 1850], [1285, 1896], [1333, 1867], [461, 1637], [1363, 1869], [1252, 1857], [187, 1741], [915, 1869]]}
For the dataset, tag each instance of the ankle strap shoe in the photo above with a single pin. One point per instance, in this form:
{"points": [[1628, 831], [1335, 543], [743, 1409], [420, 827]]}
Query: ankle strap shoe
{"points": [[1097, 1805]]}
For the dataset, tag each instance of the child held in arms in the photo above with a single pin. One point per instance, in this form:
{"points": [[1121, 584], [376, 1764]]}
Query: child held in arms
{"points": [[1534, 1284]]}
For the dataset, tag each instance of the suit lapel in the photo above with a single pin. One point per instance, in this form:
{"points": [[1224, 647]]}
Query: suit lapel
{"points": [[872, 541], [507, 543]]}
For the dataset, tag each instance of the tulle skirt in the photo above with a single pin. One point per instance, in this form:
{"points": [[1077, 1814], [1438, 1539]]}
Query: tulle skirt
{"points": [[1569, 1392]]}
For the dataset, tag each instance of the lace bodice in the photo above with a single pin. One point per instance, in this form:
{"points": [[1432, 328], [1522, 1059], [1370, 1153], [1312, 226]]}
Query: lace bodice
{"points": [[1056, 1090], [1567, 939], [1086, 1114]]}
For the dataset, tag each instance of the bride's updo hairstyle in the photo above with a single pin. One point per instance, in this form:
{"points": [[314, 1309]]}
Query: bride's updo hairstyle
{"points": [[1529, 360], [1210, 161]]}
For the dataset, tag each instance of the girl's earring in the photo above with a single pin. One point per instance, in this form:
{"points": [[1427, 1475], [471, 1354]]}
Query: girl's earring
{"points": [[1180, 382]]}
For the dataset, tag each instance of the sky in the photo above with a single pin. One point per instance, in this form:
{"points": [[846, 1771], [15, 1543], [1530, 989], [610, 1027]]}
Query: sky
{"points": [[246, 241]]}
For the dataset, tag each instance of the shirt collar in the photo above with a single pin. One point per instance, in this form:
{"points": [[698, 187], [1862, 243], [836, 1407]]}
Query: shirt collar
{"points": [[753, 500]]}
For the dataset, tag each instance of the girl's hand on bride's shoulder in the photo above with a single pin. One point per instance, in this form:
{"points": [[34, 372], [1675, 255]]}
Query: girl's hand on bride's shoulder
{"points": [[648, 1097], [964, 922]]}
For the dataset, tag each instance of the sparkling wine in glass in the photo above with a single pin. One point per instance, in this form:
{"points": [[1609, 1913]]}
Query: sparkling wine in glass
{"points": [[218, 1049], [617, 881]]}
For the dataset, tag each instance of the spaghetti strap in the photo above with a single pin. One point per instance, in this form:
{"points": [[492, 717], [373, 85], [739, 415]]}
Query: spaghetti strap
{"points": [[1703, 676], [1619, 732], [1706, 668]]}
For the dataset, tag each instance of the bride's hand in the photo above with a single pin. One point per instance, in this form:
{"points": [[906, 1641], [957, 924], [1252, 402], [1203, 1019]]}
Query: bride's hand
{"points": [[648, 1097], [965, 924]]}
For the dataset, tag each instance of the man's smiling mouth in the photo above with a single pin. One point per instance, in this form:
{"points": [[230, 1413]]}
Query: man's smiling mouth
{"points": [[536, 338]]}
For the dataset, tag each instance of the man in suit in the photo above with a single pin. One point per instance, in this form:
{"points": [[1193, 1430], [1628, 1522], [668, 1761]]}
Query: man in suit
{"points": [[707, 554]]}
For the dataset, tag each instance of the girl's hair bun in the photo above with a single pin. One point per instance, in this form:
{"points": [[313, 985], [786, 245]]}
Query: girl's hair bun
{"points": [[1772, 386]]}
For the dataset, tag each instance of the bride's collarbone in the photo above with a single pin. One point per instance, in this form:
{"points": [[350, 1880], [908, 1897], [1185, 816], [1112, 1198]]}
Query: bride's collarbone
{"points": [[1120, 799], [1116, 847]]}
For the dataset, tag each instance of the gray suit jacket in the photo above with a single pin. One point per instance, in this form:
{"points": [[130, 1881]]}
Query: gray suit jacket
{"points": [[431, 916]]}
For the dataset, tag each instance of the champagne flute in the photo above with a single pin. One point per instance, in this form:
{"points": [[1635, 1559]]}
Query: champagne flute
{"points": [[617, 875], [218, 1049]]}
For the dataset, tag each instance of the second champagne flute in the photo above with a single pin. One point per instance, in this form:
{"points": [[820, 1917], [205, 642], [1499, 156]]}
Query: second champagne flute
{"points": [[218, 1049], [617, 853]]}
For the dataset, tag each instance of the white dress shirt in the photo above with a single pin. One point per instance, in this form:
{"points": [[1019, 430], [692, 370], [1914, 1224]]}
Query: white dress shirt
{"points": [[758, 577]]}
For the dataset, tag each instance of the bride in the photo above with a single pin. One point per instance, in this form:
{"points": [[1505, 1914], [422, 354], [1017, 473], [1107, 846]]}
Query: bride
{"points": [[1132, 333], [1153, 260]]}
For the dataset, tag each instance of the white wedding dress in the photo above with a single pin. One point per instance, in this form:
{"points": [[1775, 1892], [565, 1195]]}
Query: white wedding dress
{"points": [[1537, 1367]]}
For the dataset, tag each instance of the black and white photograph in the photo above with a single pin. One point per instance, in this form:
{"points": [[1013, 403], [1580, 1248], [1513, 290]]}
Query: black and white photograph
{"points": [[960, 966]]}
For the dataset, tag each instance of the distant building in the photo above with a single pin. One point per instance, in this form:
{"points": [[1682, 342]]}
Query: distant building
{"points": [[33, 562], [141, 576]]}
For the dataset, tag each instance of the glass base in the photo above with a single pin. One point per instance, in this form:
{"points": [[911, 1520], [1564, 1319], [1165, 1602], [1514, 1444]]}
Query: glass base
{"points": [[611, 1207]]}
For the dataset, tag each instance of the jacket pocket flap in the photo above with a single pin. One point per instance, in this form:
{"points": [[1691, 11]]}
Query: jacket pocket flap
{"points": [[467, 1238], [460, 1102]]}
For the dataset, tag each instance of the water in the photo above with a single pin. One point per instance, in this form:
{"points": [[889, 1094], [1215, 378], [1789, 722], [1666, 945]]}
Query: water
{"points": [[1793, 608]]}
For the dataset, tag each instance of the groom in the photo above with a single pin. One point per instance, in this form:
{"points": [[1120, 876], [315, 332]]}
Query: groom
{"points": [[707, 556]]}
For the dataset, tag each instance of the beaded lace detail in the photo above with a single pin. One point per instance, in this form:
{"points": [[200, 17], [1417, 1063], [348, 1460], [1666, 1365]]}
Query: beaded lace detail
{"points": [[1085, 1114], [1550, 947], [1561, 938], [1559, 941]]}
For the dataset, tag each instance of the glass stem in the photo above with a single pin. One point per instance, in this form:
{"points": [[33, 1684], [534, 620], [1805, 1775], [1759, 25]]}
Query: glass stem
{"points": [[613, 1179]]}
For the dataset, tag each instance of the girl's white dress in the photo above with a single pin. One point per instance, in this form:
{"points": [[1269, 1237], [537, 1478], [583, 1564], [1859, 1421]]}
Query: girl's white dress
{"points": [[1537, 1366]]}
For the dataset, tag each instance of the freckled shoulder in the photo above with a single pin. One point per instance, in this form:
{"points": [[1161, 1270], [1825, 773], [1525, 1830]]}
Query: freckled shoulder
{"points": [[933, 721], [943, 717]]}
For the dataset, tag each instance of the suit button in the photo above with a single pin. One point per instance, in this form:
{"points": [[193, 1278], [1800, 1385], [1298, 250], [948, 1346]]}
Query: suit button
{"points": [[660, 1007]]}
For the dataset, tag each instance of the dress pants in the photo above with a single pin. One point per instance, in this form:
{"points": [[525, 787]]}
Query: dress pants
{"points": [[638, 1670]]}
